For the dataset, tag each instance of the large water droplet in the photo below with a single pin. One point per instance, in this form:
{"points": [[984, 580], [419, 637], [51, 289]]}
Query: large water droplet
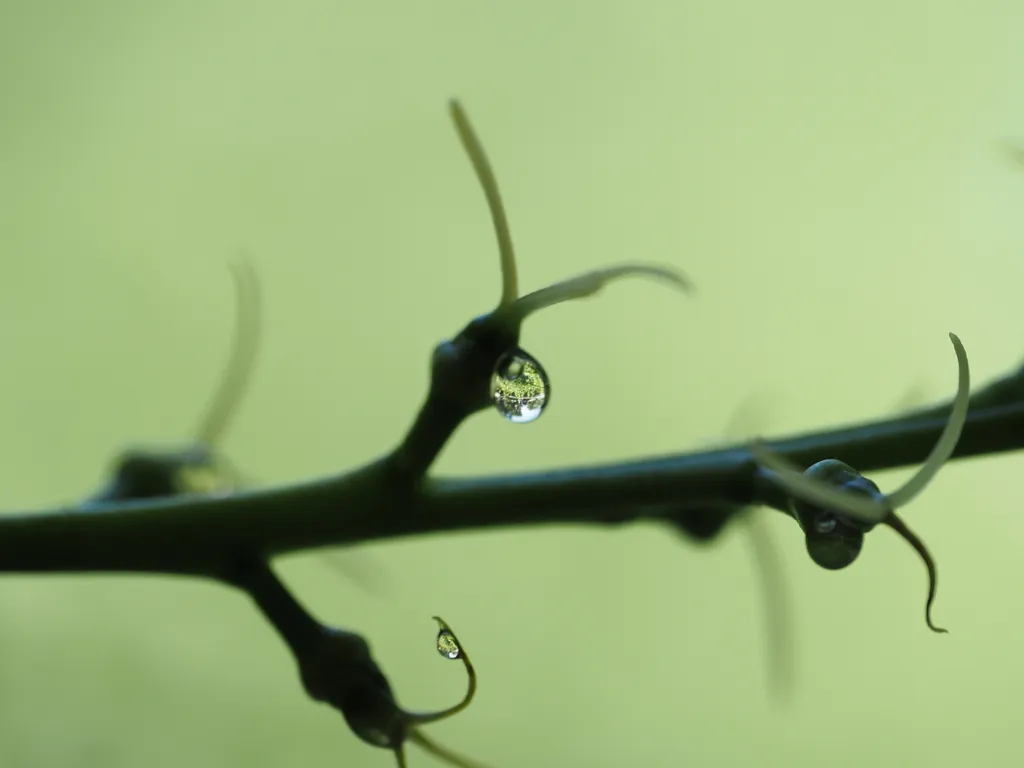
{"points": [[447, 646], [519, 388]]}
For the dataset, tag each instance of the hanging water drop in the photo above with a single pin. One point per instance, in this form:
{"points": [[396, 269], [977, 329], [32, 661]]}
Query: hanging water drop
{"points": [[446, 644], [520, 388]]}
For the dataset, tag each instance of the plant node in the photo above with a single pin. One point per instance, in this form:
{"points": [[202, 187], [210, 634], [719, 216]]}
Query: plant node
{"points": [[835, 505]]}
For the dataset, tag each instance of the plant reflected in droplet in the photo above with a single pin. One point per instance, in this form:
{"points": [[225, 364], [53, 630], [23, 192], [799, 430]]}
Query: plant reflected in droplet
{"points": [[447, 645], [520, 388]]}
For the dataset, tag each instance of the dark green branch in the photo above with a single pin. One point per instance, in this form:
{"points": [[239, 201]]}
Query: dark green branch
{"points": [[200, 535], [142, 522]]}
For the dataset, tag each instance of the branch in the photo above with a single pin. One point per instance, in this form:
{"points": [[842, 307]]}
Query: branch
{"points": [[193, 534], [148, 519]]}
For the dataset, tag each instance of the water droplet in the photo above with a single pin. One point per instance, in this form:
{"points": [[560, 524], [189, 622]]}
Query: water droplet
{"points": [[447, 646], [520, 387]]}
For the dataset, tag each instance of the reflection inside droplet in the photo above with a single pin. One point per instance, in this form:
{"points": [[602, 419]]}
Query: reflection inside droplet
{"points": [[519, 388], [825, 523], [447, 646]]}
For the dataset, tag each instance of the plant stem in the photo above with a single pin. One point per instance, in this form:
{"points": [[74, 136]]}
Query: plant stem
{"points": [[203, 535]]}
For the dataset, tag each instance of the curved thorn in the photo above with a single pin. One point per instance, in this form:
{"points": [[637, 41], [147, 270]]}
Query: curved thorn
{"points": [[485, 175], [237, 373], [433, 717], [778, 613], [933, 577], [812, 491], [420, 739], [947, 440], [590, 283]]}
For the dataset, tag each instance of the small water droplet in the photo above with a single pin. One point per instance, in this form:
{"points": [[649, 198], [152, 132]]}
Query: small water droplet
{"points": [[520, 388], [447, 646]]}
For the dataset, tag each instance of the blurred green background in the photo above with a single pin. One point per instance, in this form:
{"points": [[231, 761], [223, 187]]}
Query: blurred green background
{"points": [[831, 177]]}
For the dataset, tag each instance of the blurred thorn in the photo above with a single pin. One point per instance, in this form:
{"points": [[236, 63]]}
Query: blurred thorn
{"points": [[1013, 150], [361, 569], [915, 398], [780, 642], [752, 417]]}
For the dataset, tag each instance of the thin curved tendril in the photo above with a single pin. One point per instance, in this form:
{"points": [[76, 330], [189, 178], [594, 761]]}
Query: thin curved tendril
{"points": [[237, 373], [778, 613], [432, 717], [590, 283], [950, 435], [792, 479], [429, 745], [366, 576], [767, 562], [485, 175], [933, 577]]}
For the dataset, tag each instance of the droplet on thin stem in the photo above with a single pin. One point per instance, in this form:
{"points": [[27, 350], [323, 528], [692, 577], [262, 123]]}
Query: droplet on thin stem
{"points": [[422, 718], [446, 644]]}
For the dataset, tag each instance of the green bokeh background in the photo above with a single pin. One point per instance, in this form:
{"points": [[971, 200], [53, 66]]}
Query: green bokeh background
{"points": [[830, 176]]}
